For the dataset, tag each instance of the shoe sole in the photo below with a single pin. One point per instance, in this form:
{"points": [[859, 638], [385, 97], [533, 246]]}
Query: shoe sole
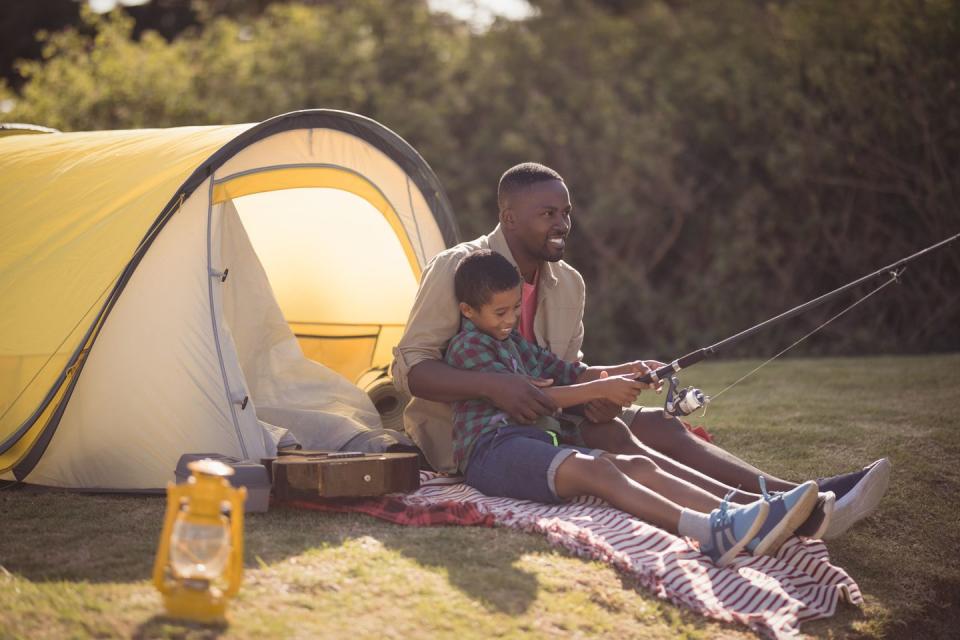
{"points": [[829, 505], [735, 550], [876, 482], [770, 544]]}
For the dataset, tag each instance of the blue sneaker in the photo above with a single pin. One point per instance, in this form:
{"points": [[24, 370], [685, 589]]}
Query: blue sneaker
{"points": [[732, 528], [788, 510]]}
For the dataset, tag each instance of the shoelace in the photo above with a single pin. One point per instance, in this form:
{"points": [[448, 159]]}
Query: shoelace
{"points": [[763, 488], [721, 516]]}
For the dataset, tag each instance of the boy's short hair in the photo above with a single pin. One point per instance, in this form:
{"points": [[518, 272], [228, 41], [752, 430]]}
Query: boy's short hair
{"points": [[482, 274], [523, 175]]}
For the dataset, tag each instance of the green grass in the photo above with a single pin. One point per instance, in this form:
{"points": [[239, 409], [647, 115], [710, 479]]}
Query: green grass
{"points": [[78, 566]]}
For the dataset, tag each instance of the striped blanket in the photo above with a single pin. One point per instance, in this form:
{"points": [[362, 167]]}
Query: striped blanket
{"points": [[772, 595]]}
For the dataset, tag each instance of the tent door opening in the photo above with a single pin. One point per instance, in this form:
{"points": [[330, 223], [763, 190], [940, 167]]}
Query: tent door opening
{"points": [[318, 288]]}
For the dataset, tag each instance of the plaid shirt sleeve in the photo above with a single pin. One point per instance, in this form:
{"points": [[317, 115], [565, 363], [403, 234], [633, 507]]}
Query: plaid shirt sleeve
{"points": [[545, 364]]}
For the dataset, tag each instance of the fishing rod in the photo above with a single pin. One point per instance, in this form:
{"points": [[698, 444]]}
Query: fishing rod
{"points": [[685, 401]]}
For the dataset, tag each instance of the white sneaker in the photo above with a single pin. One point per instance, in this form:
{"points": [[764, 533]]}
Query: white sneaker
{"points": [[860, 501]]}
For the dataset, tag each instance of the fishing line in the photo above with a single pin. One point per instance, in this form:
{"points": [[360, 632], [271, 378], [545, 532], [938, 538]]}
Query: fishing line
{"points": [[682, 402], [894, 277]]}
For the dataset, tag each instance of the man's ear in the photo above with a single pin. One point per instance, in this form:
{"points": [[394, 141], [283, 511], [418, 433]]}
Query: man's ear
{"points": [[467, 310], [507, 217]]}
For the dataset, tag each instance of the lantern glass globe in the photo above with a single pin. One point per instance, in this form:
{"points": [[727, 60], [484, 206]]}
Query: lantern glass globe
{"points": [[199, 551]]}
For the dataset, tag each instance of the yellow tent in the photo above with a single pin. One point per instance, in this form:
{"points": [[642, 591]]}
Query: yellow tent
{"points": [[161, 288]]}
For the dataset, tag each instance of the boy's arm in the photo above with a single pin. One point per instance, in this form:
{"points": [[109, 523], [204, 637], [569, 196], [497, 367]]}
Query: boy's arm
{"points": [[577, 384], [635, 368], [621, 390], [597, 411]]}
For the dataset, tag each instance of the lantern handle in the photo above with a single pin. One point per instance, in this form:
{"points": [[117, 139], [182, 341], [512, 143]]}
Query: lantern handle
{"points": [[174, 494], [237, 498]]}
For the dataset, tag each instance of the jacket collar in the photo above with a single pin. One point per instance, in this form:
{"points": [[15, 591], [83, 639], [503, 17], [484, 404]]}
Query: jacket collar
{"points": [[498, 242]]}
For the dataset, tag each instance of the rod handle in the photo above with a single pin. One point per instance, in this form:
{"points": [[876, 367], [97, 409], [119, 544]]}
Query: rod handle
{"points": [[664, 372]]}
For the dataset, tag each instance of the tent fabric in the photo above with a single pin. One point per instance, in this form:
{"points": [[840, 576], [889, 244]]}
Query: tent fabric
{"points": [[73, 208], [128, 335]]}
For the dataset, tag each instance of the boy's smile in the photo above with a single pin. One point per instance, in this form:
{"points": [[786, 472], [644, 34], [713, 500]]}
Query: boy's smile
{"points": [[499, 315]]}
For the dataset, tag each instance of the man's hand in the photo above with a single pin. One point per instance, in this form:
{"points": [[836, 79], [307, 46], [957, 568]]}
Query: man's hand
{"points": [[641, 368], [597, 411], [520, 397]]}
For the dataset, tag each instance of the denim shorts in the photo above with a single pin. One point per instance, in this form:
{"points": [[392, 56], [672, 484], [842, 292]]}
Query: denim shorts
{"points": [[518, 462]]}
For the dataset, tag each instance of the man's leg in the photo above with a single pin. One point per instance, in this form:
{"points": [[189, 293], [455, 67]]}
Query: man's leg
{"points": [[700, 462], [616, 438]]}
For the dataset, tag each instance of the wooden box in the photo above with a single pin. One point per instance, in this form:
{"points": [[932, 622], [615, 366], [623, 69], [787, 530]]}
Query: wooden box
{"points": [[309, 475]]}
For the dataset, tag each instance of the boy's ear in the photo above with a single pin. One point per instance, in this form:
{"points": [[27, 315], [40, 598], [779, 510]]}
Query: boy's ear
{"points": [[467, 310], [506, 217]]}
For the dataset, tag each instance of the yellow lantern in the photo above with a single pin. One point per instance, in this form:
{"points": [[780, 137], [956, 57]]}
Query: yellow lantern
{"points": [[200, 559]]}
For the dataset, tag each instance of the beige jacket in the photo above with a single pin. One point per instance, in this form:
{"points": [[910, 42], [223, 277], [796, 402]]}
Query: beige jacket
{"points": [[435, 319]]}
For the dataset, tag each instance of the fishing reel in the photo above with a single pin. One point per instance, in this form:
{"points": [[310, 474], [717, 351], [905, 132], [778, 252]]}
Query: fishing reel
{"points": [[684, 401]]}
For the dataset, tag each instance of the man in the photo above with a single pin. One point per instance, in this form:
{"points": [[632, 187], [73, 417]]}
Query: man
{"points": [[534, 224]]}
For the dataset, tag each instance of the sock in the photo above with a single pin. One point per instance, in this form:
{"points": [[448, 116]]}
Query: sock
{"points": [[841, 484], [694, 524]]}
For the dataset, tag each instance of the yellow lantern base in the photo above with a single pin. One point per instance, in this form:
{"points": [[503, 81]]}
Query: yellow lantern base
{"points": [[206, 607]]}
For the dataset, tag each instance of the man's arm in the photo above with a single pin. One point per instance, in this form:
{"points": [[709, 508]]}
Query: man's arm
{"points": [[433, 321], [418, 366], [519, 396]]}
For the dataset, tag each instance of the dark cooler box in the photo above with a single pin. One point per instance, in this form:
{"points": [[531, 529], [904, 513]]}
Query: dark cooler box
{"points": [[247, 473]]}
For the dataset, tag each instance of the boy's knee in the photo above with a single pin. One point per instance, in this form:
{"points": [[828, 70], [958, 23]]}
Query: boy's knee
{"points": [[581, 474], [635, 466], [603, 467]]}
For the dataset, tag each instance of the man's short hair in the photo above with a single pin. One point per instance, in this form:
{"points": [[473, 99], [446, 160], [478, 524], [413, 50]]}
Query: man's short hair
{"points": [[522, 176], [482, 274]]}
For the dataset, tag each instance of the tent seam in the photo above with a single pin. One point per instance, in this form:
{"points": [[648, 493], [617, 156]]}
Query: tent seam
{"points": [[213, 320]]}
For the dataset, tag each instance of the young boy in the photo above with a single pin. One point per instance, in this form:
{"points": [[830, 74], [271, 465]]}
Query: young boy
{"points": [[526, 462]]}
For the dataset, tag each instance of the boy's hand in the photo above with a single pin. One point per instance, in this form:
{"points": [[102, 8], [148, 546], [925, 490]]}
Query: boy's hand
{"points": [[520, 397], [622, 390]]}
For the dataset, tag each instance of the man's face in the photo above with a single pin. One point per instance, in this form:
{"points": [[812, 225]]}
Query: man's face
{"points": [[499, 315], [538, 216]]}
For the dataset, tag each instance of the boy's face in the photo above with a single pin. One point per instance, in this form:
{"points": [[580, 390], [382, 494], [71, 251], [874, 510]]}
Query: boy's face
{"points": [[499, 315]]}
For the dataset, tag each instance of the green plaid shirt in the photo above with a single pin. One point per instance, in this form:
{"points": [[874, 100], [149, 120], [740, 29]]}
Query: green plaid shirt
{"points": [[476, 351]]}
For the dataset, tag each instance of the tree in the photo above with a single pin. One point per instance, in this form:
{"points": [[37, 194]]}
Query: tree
{"points": [[728, 160]]}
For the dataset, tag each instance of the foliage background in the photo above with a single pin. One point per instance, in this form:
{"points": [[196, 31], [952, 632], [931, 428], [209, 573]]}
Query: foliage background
{"points": [[727, 160]]}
